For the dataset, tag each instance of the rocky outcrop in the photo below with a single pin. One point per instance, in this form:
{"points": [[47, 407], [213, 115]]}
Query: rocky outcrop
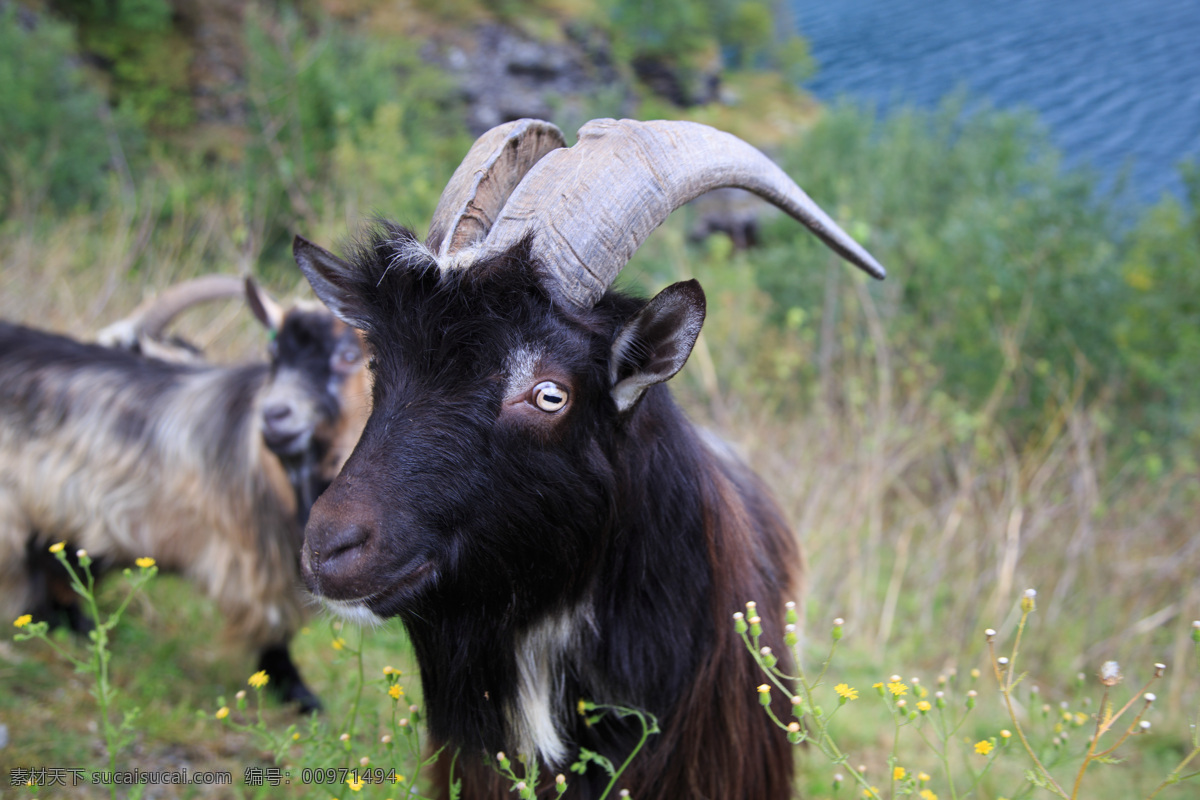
{"points": [[682, 87], [507, 75]]}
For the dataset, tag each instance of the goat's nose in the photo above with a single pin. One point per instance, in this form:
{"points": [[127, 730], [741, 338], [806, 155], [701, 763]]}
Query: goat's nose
{"points": [[342, 545], [276, 413], [332, 557]]}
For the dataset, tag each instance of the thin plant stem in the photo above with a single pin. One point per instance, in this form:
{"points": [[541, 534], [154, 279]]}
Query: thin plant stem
{"points": [[1005, 683], [646, 730]]}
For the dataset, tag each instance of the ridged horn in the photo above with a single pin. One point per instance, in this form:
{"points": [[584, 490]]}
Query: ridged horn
{"points": [[154, 314], [492, 168], [592, 205]]}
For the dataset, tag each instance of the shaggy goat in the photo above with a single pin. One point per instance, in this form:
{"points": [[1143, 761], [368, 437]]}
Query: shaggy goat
{"points": [[526, 497], [128, 456]]}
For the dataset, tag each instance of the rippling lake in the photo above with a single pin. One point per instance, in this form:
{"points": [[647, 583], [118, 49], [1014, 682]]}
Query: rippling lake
{"points": [[1116, 83]]}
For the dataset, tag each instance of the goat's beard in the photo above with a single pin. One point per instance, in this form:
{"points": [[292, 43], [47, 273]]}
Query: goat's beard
{"points": [[355, 611]]}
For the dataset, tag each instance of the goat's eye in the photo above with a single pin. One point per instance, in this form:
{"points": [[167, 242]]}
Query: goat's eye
{"points": [[549, 396], [345, 358]]}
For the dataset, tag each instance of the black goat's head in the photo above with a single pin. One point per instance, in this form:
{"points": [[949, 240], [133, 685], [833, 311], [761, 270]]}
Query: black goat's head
{"points": [[496, 417], [508, 381]]}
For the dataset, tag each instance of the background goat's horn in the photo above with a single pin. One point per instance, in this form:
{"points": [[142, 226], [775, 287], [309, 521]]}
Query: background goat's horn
{"points": [[492, 168], [591, 206], [153, 316]]}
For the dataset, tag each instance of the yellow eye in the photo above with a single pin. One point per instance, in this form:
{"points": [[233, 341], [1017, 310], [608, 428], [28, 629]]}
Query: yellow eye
{"points": [[549, 396]]}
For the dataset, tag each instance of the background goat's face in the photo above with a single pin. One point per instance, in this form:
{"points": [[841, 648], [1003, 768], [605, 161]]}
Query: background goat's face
{"points": [[317, 378], [488, 468]]}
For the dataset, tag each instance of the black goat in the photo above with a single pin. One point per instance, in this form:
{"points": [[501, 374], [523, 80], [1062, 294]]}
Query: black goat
{"points": [[526, 497]]}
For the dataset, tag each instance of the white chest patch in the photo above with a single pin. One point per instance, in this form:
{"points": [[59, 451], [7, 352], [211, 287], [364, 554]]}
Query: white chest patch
{"points": [[536, 718]]}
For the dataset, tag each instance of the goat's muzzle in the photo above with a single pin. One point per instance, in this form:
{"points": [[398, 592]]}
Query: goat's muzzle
{"points": [[350, 556], [284, 429], [336, 560]]}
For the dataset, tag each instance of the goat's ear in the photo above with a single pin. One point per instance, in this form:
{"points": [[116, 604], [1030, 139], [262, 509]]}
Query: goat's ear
{"points": [[265, 310], [655, 344], [330, 279]]}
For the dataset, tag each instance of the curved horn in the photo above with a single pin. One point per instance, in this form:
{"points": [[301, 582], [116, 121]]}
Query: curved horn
{"points": [[154, 314], [592, 206], [492, 168]]}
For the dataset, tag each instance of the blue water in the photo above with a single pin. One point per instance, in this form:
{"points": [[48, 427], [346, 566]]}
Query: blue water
{"points": [[1116, 83]]}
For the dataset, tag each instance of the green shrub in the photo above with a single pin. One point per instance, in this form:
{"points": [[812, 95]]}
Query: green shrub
{"points": [[145, 57], [365, 115], [1158, 332], [1001, 263], [54, 129]]}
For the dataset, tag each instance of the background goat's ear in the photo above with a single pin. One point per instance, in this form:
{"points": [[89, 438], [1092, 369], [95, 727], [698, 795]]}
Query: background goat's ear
{"points": [[265, 310], [330, 279], [655, 344]]}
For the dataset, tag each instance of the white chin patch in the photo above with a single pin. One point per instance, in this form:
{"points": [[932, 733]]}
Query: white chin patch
{"points": [[353, 611]]}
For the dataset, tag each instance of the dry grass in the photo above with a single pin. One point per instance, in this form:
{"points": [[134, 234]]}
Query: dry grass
{"points": [[924, 519]]}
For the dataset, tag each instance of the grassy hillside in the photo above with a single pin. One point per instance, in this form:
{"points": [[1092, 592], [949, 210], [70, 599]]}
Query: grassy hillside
{"points": [[1011, 409]]}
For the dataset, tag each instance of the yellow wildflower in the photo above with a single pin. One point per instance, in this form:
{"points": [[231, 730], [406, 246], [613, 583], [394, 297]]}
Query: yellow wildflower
{"points": [[339, 643], [923, 776], [145, 562], [57, 547], [389, 670], [928, 795], [923, 706], [846, 691], [872, 792], [898, 773], [259, 679], [23, 620], [222, 712], [983, 747], [355, 784], [295, 737], [897, 688], [398, 779], [395, 691]]}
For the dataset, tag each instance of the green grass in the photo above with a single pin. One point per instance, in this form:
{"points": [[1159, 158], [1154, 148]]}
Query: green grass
{"points": [[172, 659]]}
